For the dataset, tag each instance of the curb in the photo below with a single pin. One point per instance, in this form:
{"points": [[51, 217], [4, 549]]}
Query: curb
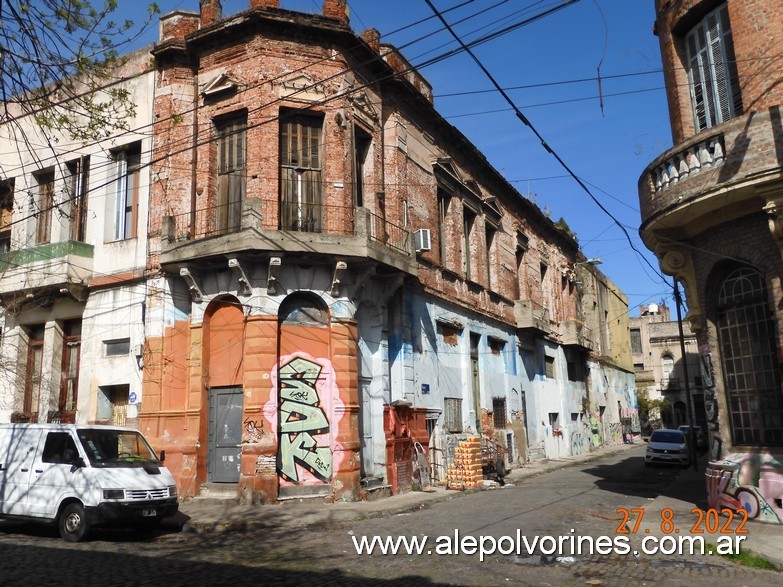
{"points": [[249, 523]]}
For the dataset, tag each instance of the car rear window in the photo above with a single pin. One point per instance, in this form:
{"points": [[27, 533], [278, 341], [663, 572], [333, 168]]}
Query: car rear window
{"points": [[667, 436]]}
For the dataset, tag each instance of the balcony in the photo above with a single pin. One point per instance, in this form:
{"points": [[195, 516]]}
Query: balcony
{"points": [[574, 333], [297, 229], [54, 265], [531, 317], [731, 167]]}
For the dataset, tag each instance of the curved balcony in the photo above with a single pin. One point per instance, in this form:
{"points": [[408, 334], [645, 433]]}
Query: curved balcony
{"points": [[730, 167], [305, 230]]}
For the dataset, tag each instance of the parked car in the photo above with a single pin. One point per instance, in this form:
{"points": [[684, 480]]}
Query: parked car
{"points": [[667, 447], [701, 439], [83, 476]]}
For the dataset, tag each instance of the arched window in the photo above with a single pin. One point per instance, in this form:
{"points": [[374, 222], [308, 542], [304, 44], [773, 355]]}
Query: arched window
{"points": [[303, 310], [749, 357]]}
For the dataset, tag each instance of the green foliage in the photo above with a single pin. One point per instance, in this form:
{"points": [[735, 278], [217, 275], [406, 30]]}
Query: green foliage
{"points": [[58, 62], [563, 225], [650, 409], [744, 558]]}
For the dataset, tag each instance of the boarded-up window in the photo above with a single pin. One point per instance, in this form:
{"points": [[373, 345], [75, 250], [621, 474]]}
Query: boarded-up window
{"points": [[6, 213], [77, 186], [452, 414], [69, 381], [300, 174], [44, 205], [636, 341], [32, 388], [232, 156]]}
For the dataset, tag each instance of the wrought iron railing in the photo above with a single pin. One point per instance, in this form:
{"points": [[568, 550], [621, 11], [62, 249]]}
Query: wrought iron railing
{"points": [[387, 233]]}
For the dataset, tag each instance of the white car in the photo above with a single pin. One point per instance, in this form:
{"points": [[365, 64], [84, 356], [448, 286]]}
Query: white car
{"points": [[667, 447]]}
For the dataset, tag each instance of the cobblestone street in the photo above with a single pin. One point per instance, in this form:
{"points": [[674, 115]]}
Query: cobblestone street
{"points": [[582, 498]]}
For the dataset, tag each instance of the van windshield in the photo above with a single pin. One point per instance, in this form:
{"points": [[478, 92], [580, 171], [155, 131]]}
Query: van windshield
{"points": [[116, 448]]}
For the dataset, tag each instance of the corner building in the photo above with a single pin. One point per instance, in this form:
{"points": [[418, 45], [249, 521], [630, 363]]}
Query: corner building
{"points": [[339, 282], [711, 212]]}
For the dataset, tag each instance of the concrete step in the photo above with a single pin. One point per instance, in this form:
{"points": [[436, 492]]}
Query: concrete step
{"points": [[218, 491]]}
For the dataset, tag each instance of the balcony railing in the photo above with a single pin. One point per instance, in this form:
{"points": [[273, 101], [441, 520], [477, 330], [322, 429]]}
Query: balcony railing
{"points": [[389, 234], [274, 215], [689, 161]]}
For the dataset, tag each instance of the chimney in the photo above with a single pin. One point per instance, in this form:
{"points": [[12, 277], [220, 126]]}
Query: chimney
{"points": [[211, 12], [337, 9], [264, 3], [176, 25], [373, 38]]}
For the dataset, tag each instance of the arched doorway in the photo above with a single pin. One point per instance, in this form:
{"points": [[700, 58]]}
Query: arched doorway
{"points": [[307, 397], [749, 359], [224, 327]]}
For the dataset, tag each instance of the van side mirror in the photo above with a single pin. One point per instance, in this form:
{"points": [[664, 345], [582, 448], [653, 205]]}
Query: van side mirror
{"points": [[162, 456]]}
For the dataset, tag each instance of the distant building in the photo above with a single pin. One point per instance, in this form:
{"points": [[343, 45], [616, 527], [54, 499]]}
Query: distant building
{"points": [[660, 369], [712, 212]]}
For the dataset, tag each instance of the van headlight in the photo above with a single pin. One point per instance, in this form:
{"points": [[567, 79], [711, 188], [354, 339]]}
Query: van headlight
{"points": [[113, 494], [172, 491]]}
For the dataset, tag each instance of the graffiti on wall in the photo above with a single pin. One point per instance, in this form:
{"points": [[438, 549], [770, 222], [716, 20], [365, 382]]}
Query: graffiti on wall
{"points": [[632, 416], [749, 481], [595, 429], [303, 412], [615, 433], [711, 405], [578, 444], [301, 420]]}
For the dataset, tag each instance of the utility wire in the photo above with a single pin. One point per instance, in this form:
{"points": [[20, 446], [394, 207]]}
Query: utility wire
{"points": [[527, 123]]}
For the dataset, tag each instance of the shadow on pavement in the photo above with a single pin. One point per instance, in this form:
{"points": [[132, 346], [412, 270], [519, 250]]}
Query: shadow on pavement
{"points": [[631, 477], [23, 565]]}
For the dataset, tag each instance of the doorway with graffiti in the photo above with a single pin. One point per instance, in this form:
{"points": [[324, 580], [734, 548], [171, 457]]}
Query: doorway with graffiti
{"points": [[306, 398]]}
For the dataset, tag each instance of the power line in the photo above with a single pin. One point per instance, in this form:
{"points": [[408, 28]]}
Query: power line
{"points": [[544, 144]]}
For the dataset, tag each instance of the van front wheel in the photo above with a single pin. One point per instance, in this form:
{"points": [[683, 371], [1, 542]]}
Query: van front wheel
{"points": [[73, 523]]}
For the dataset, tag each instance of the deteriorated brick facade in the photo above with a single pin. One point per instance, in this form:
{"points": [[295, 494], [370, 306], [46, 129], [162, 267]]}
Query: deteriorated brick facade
{"points": [[381, 335]]}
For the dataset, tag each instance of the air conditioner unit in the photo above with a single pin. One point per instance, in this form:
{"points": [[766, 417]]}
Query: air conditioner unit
{"points": [[421, 238]]}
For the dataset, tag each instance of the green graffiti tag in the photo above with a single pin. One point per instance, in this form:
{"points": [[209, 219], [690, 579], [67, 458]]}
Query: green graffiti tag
{"points": [[301, 418]]}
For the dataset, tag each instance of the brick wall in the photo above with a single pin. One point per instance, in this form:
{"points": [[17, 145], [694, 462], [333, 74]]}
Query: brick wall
{"points": [[757, 30]]}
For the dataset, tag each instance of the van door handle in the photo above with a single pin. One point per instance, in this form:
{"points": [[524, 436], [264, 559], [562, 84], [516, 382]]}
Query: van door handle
{"points": [[39, 470], [25, 470]]}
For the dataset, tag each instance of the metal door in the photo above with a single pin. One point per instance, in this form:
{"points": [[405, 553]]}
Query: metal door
{"points": [[225, 435]]}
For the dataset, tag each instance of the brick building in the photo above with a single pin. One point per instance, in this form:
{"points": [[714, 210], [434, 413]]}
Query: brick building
{"points": [[335, 280], [711, 214]]}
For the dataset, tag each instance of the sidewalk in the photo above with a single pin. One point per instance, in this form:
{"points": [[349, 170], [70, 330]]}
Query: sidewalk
{"points": [[689, 492], [210, 515]]}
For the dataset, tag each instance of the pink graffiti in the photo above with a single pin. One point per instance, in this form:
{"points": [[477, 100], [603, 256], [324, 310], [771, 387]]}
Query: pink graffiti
{"points": [[305, 417]]}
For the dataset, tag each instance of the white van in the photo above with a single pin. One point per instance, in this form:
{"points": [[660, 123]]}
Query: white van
{"points": [[81, 476]]}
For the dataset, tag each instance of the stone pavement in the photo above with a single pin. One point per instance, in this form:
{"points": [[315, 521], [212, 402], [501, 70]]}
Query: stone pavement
{"points": [[687, 492], [214, 515]]}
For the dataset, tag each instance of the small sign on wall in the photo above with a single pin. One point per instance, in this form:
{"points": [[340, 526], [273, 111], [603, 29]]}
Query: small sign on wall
{"points": [[425, 388]]}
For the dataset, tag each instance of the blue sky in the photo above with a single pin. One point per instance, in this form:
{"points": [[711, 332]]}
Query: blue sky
{"points": [[541, 65]]}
